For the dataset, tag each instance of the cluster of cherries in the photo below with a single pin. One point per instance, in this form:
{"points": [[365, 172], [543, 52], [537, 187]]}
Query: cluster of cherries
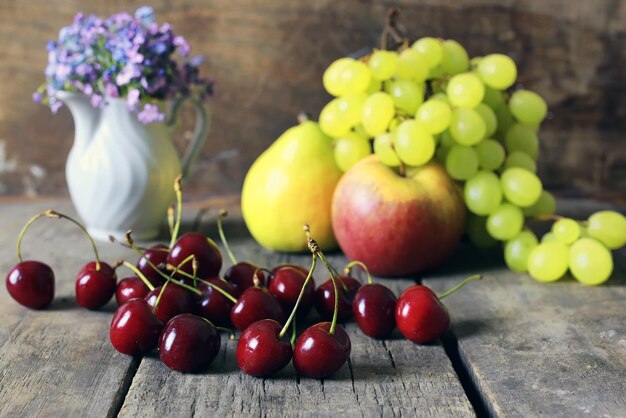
{"points": [[177, 302]]}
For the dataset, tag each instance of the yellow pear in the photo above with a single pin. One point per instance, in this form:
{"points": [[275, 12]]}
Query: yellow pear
{"points": [[289, 185]]}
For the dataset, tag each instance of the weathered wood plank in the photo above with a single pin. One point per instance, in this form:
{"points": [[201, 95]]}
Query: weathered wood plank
{"points": [[536, 349], [384, 378], [56, 362]]}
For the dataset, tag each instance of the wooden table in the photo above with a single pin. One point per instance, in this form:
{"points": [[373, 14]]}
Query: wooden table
{"points": [[516, 347]]}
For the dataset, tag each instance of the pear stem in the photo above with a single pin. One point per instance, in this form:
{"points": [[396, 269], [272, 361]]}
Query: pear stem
{"points": [[223, 213], [460, 285], [295, 308], [179, 209], [347, 270]]}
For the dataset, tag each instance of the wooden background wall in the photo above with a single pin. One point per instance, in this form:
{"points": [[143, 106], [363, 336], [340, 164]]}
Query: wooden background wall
{"points": [[268, 56]]}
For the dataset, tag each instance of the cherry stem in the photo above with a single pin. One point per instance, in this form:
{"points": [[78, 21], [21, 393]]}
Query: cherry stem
{"points": [[156, 304], [332, 270], [231, 333], [114, 240], [170, 219], [347, 270], [293, 332], [53, 214], [223, 213], [179, 209], [460, 285], [295, 307], [219, 289], [139, 274]]}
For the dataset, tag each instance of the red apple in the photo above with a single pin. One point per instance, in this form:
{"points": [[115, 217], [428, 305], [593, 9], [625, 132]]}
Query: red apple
{"points": [[397, 225]]}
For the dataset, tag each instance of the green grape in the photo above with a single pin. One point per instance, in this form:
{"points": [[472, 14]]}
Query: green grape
{"points": [[483, 194], [549, 237], [411, 66], [522, 138], [440, 96], [350, 149], [375, 86], [548, 261], [407, 95], [489, 117], [441, 154], [474, 61], [382, 148], [544, 206], [435, 115], [351, 107], [461, 162], [516, 250], [332, 77], [490, 154], [332, 121], [521, 187], [505, 119], [413, 143], [467, 126], [566, 230], [528, 107], [522, 160], [395, 122], [608, 227], [476, 229], [378, 110], [446, 139], [355, 77], [383, 64], [497, 71], [505, 222], [430, 51], [493, 98], [360, 130], [590, 262], [465, 90], [455, 59]]}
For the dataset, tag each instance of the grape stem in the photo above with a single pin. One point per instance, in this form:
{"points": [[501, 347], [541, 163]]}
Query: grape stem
{"points": [[393, 29], [402, 167]]}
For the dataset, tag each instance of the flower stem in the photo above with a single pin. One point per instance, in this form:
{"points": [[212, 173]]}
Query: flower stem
{"points": [[358, 263], [223, 213], [295, 308], [460, 285]]}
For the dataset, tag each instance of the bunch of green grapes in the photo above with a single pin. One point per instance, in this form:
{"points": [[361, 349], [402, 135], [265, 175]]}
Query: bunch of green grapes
{"points": [[430, 102]]}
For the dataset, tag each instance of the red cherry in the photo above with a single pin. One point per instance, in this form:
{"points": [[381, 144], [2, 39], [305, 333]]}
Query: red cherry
{"points": [[319, 354], [285, 286], [130, 288], [213, 305], [374, 309], [175, 300], [324, 298], [253, 305], [188, 343], [31, 283], [420, 315], [241, 276], [261, 351], [157, 255], [206, 253], [134, 329], [95, 288]]}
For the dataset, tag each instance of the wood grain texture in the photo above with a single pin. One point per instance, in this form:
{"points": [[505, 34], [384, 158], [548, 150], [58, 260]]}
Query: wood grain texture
{"points": [[268, 58], [393, 377], [537, 349]]}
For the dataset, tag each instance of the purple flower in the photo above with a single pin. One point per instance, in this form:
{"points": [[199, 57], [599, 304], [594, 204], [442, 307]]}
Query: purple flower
{"points": [[182, 45], [110, 90], [37, 97], [133, 98], [145, 15], [150, 113], [129, 72], [97, 100], [55, 106]]}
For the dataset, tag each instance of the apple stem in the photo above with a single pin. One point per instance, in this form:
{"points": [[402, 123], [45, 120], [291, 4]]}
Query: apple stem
{"points": [[179, 209], [219, 289], [156, 304], [295, 307], [140, 275], [170, 219], [347, 270], [223, 213], [460, 285]]}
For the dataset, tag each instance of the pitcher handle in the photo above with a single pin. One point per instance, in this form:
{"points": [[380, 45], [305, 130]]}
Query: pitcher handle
{"points": [[200, 133]]}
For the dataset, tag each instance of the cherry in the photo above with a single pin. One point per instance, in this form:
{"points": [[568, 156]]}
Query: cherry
{"points": [[253, 305], [31, 283], [324, 297], [213, 305], [134, 329], [374, 309], [130, 288], [154, 256], [188, 343], [420, 315], [205, 252], [95, 285], [241, 276], [319, 352], [174, 300], [285, 286], [261, 350]]}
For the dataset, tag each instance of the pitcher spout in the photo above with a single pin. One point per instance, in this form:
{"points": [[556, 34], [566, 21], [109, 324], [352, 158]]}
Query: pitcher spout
{"points": [[85, 116]]}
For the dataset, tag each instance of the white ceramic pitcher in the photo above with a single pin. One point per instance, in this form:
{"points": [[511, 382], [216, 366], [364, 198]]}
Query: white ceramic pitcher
{"points": [[120, 172]]}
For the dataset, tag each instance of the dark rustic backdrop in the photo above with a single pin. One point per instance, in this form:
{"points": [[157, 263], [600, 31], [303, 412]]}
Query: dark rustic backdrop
{"points": [[268, 57]]}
